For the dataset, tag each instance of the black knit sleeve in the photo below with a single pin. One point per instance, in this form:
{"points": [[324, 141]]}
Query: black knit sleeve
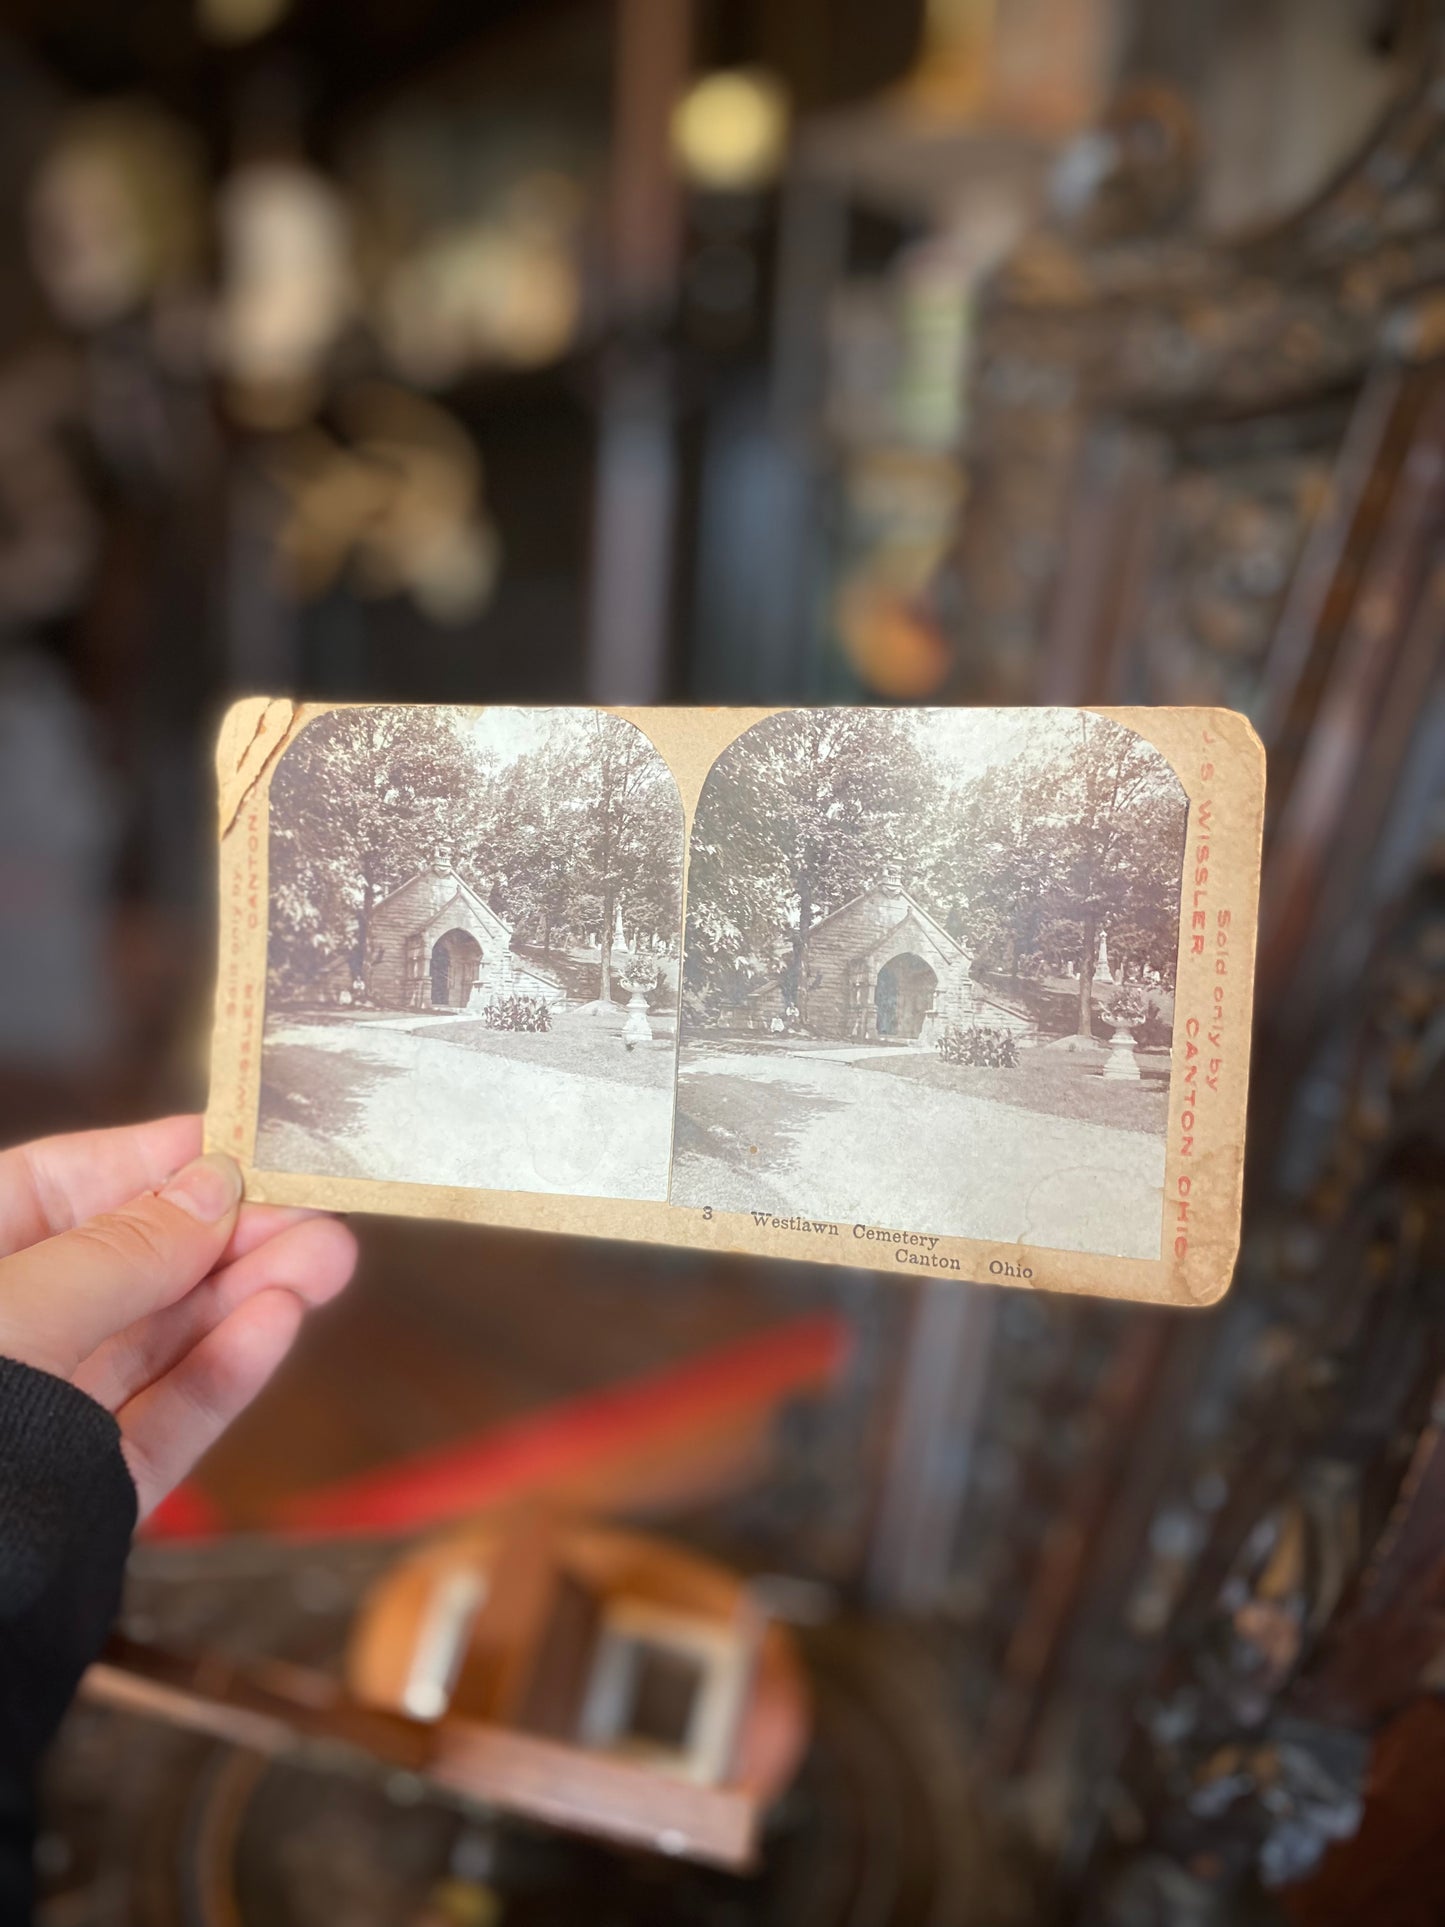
{"points": [[67, 1511]]}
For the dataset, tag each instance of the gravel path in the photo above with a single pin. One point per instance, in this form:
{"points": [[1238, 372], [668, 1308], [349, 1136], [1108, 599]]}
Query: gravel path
{"points": [[359, 1100], [842, 1142]]}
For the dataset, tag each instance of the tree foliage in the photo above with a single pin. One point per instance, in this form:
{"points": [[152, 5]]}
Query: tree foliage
{"points": [[580, 827], [799, 815], [1079, 834], [1025, 856], [360, 801]]}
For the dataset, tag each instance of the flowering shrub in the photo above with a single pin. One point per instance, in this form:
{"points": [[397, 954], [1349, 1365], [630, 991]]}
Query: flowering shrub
{"points": [[517, 1013], [993, 1046]]}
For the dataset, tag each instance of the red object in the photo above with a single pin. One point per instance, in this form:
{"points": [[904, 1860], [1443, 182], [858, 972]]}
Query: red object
{"points": [[187, 1513], [510, 1460]]}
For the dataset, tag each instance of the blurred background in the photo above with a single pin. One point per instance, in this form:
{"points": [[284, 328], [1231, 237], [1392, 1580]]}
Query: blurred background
{"points": [[1000, 351]]}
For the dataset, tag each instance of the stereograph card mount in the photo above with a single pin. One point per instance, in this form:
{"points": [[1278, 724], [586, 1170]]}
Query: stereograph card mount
{"points": [[949, 993]]}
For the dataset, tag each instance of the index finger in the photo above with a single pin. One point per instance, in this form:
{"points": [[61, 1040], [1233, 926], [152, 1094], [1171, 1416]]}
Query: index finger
{"points": [[64, 1297], [57, 1183]]}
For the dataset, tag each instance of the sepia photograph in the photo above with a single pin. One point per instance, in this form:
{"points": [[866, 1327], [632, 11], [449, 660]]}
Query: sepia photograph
{"points": [[473, 952], [928, 981]]}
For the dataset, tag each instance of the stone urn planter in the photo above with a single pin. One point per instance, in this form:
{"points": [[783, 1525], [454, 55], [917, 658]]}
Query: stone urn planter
{"points": [[639, 978], [1126, 1013]]}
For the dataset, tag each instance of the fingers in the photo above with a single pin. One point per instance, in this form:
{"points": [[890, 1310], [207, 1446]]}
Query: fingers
{"points": [[61, 1299], [167, 1427], [156, 1292], [58, 1182], [312, 1258], [258, 1222]]}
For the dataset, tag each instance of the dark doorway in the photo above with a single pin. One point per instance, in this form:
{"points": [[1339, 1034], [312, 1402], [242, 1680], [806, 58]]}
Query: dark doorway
{"points": [[456, 959], [904, 996]]}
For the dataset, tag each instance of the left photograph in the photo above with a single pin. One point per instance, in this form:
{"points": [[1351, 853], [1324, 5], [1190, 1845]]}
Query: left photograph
{"points": [[473, 952]]}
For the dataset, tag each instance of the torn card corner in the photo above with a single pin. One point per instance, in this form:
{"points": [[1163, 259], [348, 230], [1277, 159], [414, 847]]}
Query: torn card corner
{"points": [[253, 732]]}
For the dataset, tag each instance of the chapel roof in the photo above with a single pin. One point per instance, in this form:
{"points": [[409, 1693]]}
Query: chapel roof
{"points": [[424, 895], [902, 896]]}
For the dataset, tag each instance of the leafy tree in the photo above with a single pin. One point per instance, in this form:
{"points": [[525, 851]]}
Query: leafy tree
{"points": [[804, 811], [530, 839], [561, 838], [632, 848], [1080, 833], [360, 801], [1118, 821], [1025, 859], [586, 824]]}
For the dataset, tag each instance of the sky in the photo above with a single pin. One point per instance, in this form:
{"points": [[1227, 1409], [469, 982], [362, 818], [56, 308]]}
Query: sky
{"points": [[508, 733]]}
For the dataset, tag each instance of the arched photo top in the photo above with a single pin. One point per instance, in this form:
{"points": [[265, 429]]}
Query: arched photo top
{"points": [[557, 820], [1016, 827], [474, 946], [917, 934]]}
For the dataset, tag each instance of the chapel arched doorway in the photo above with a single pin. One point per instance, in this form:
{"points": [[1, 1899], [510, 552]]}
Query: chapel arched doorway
{"points": [[456, 960], [903, 996]]}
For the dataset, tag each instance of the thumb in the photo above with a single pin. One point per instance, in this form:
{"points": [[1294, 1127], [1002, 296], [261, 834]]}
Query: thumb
{"points": [[63, 1297]]}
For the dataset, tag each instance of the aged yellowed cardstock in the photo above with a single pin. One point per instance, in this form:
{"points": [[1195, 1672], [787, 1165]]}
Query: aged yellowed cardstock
{"points": [[949, 993]]}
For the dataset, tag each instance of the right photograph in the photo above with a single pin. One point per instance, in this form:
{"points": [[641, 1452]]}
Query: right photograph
{"points": [[928, 983]]}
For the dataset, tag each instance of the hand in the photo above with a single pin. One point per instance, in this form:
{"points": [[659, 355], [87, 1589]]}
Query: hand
{"points": [[129, 1266]]}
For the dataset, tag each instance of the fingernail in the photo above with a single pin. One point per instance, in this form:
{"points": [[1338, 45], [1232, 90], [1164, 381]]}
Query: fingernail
{"points": [[207, 1189]]}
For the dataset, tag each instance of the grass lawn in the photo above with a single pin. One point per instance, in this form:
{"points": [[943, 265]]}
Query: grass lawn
{"points": [[317, 1090], [1058, 1083], [747, 1122], [311, 1099], [726, 1161], [587, 1046]]}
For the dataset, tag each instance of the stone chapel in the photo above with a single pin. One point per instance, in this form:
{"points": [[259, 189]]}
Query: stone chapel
{"points": [[434, 944], [880, 968]]}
